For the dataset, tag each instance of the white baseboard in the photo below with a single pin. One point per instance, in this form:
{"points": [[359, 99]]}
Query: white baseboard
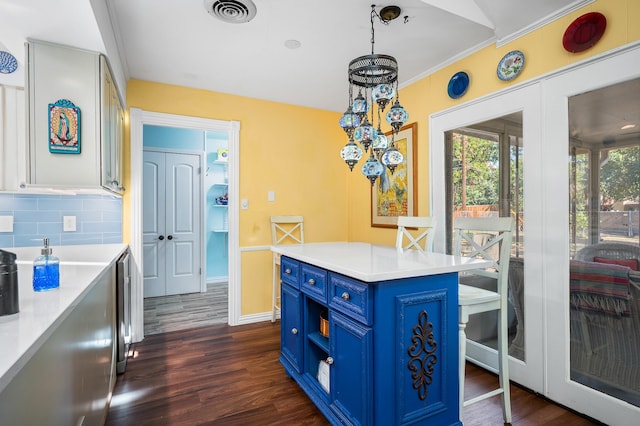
{"points": [[253, 318]]}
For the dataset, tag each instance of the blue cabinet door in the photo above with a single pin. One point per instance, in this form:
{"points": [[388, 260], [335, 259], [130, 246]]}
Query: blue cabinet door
{"points": [[291, 333], [351, 373]]}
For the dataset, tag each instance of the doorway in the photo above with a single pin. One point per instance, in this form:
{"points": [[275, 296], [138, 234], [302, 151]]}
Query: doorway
{"points": [[138, 119]]}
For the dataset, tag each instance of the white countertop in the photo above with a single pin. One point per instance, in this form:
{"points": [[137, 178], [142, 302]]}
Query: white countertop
{"points": [[371, 263], [22, 334]]}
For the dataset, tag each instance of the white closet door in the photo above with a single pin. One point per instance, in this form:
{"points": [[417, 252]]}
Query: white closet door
{"points": [[182, 223], [153, 224], [171, 223]]}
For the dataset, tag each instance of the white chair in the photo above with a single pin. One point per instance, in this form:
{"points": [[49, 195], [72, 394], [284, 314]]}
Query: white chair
{"points": [[284, 230], [489, 239], [423, 241]]}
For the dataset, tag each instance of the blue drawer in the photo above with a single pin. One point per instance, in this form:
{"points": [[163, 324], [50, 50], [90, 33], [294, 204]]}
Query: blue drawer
{"points": [[290, 271], [351, 297], [314, 282]]}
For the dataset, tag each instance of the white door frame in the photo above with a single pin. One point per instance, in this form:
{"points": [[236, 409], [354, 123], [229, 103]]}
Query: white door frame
{"points": [[137, 119]]}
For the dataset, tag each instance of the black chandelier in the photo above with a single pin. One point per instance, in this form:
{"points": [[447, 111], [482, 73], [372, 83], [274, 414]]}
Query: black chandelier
{"points": [[376, 79]]}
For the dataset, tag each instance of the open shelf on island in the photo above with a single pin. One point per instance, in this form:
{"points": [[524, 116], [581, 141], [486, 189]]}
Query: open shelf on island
{"points": [[320, 340]]}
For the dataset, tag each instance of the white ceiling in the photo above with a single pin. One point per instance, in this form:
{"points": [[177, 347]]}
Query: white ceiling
{"points": [[178, 42], [68, 22]]}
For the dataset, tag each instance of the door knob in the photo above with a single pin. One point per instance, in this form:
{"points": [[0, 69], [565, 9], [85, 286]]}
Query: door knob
{"points": [[161, 237], [169, 237]]}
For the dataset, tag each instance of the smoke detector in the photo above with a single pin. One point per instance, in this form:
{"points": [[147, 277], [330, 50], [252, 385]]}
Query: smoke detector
{"points": [[231, 11]]}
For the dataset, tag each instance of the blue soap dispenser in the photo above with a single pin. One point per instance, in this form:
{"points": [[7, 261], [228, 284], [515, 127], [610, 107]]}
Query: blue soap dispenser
{"points": [[46, 270]]}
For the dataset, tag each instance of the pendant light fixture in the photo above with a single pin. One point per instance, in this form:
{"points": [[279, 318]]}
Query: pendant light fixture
{"points": [[375, 77]]}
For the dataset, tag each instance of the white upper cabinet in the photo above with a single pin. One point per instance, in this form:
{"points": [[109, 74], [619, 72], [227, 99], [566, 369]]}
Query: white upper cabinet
{"points": [[13, 145], [112, 117], [75, 119]]}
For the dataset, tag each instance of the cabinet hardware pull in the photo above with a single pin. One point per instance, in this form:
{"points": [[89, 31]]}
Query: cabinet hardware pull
{"points": [[345, 296], [170, 237], [287, 271], [312, 281], [161, 237], [294, 331], [329, 360]]}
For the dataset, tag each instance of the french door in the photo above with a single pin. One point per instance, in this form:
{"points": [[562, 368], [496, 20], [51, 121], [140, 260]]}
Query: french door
{"points": [[591, 179], [484, 162], [171, 223], [546, 367]]}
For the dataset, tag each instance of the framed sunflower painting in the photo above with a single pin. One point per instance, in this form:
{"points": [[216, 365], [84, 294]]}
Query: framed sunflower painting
{"points": [[395, 194]]}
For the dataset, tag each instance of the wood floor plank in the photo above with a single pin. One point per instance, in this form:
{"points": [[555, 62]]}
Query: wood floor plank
{"points": [[222, 375], [177, 312]]}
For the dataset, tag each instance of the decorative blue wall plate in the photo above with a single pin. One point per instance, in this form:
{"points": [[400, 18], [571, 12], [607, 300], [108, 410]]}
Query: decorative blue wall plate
{"points": [[458, 85], [8, 63]]}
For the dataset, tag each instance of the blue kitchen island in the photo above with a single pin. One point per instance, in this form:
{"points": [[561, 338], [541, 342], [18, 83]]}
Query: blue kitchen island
{"points": [[388, 351]]}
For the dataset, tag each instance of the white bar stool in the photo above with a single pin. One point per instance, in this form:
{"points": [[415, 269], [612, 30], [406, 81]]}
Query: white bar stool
{"points": [[490, 239], [284, 230]]}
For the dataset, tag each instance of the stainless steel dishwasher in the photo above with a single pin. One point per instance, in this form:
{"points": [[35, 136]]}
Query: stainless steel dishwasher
{"points": [[123, 298]]}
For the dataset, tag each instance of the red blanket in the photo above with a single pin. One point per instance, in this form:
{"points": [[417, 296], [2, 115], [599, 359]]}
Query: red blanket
{"points": [[600, 287]]}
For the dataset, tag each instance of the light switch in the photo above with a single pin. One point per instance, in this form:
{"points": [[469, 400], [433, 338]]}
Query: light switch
{"points": [[68, 223], [271, 196], [6, 223], [244, 204]]}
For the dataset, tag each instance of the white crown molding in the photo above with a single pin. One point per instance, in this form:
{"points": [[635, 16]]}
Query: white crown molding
{"points": [[542, 22]]}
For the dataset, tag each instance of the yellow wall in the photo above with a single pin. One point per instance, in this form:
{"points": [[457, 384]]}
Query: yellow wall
{"points": [[291, 150], [294, 151], [543, 53]]}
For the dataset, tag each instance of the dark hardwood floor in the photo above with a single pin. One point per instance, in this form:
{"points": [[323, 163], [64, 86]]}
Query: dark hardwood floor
{"points": [[221, 375]]}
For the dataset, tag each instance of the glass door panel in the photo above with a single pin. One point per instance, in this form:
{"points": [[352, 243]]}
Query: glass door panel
{"points": [[604, 285], [485, 179]]}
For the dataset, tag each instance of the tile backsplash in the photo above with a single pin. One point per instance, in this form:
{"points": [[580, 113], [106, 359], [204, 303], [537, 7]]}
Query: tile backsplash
{"points": [[98, 219]]}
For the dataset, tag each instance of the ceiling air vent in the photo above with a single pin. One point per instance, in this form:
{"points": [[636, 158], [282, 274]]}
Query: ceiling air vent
{"points": [[231, 11]]}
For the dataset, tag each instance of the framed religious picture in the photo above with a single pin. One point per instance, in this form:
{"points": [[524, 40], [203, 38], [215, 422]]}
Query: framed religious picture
{"points": [[64, 127], [395, 194]]}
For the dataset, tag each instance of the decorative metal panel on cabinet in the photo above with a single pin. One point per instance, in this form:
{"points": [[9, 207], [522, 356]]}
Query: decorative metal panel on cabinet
{"points": [[389, 356]]}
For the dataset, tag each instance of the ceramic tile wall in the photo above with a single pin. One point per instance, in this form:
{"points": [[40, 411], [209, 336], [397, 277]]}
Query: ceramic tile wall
{"points": [[35, 216]]}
